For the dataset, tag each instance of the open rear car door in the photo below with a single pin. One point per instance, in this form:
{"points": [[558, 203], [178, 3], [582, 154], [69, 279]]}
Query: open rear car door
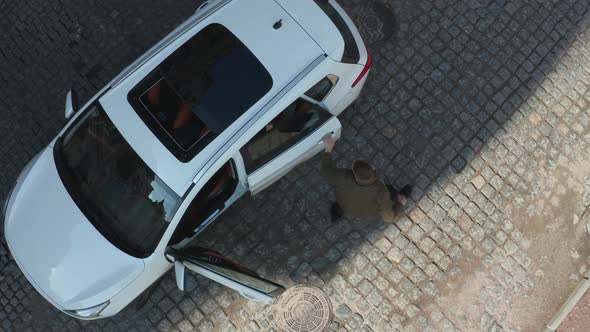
{"points": [[214, 266], [300, 152]]}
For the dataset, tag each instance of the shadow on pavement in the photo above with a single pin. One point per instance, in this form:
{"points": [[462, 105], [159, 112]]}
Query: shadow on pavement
{"points": [[448, 76]]}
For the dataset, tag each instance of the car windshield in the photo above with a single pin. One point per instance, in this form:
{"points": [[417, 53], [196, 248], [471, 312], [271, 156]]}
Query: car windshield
{"points": [[122, 197]]}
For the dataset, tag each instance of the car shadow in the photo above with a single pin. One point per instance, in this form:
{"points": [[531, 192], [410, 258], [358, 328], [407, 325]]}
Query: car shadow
{"points": [[448, 77], [439, 96]]}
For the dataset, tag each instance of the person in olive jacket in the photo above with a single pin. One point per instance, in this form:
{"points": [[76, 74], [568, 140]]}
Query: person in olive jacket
{"points": [[359, 193]]}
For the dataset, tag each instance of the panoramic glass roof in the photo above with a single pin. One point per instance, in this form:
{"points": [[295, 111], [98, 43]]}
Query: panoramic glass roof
{"points": [[200, 90]]}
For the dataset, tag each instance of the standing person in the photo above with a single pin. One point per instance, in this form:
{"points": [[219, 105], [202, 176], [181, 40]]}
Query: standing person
{"points": [[359, 194]]}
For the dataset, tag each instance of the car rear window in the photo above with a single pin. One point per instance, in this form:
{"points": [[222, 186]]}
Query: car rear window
{"points": [[200, 90], [351, 51]]}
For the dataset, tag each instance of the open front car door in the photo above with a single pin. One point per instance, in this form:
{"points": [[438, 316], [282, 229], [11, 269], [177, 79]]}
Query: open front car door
{"points": [[214, 266]]}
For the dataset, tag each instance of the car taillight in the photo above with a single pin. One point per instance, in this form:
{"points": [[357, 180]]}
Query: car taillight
{"points": [[365, 70]]}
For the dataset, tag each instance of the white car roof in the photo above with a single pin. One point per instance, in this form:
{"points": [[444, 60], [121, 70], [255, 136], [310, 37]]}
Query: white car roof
{"points": [[284, 52], [313, 20]]}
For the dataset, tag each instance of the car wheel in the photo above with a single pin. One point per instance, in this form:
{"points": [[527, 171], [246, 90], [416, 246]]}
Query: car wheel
{"points": [[137, 307], [143, 298]]}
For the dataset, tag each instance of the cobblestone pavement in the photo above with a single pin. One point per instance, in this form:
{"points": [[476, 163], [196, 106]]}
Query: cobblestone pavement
{"points": [[482, 104]]}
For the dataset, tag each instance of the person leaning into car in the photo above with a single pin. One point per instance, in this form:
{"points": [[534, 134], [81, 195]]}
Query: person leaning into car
{"points": [[359, 193]]}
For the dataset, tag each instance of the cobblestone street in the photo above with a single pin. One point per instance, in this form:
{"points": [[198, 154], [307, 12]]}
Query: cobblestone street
{"points": [[482, 104]]}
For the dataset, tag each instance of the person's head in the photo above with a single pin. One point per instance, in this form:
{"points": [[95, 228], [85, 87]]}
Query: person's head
{"points": [[364, 172]]}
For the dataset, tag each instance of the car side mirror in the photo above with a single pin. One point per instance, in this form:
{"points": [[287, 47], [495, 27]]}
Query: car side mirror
{"points": [[180, 271], [71, 104]]}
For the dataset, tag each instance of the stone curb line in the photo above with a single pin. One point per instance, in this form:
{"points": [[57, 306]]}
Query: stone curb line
{"points": [[569, 304]]}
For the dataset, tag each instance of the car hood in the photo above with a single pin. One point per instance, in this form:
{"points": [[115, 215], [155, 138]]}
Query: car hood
{"points": [[57, 248]]}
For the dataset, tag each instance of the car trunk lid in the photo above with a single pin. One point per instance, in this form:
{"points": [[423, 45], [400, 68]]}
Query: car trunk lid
{"points": [[316, 24]]}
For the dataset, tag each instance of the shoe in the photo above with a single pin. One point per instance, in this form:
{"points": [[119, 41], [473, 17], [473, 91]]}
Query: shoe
{"points": [[336, 212]]}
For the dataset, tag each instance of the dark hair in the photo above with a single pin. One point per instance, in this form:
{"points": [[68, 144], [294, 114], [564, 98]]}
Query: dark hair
{"points": [[363, 170]]}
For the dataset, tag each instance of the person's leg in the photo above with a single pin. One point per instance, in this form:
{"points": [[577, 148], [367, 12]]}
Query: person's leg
{"points": [[399, 197], [392, 192], [336, 212], [406, 191]]}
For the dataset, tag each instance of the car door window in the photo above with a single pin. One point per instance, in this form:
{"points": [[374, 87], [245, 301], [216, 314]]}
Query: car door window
{"points": [[208, 202], [289, 127], [322, 88]]}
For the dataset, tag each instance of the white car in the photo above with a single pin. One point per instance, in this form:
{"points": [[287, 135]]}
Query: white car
{"points": [[229, 102]]}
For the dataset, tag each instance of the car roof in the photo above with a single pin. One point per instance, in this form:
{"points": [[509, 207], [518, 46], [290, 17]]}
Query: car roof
{"points": [[317, 24], [284, 52]]}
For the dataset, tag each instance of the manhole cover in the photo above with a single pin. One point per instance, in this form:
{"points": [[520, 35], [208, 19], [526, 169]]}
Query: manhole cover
{"points": [[303, 308], [375, 20]]}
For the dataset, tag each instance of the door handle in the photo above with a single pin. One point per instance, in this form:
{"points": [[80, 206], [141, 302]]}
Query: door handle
{"points": [[202, 6], [322, 140]]}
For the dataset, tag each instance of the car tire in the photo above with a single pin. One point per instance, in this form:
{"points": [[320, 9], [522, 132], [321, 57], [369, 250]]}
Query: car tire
{"points": [[137, 308], [143, 298]]}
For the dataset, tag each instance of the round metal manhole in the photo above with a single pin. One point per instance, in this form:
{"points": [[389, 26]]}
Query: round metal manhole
{"points": [[374, 19], [303, 308]]}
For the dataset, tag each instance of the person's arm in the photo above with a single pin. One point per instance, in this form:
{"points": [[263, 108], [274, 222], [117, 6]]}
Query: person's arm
{"points": [[389, 208], [327, 169]]}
